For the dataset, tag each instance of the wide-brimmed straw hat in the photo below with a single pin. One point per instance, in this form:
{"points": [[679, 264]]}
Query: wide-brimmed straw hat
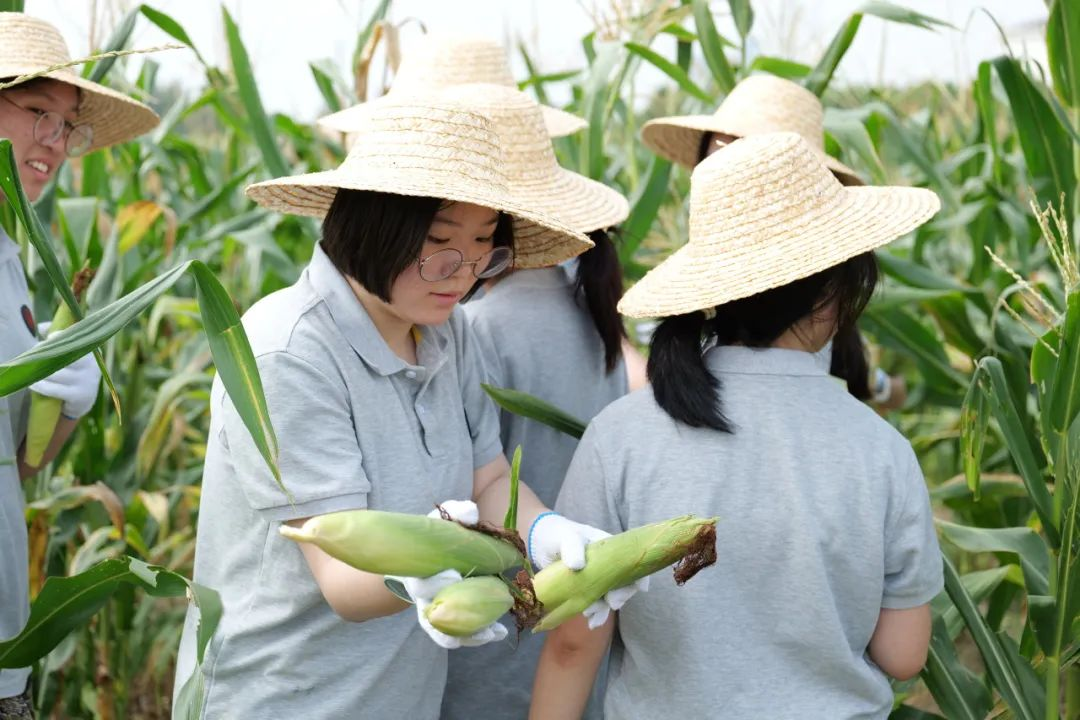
{"points": [[29, 45], [765, 211], [758, 104], [444, 60], [435, 148], [536, 179]]}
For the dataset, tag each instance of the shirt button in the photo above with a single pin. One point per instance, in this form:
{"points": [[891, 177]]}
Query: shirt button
{"points": [[411, 374]]}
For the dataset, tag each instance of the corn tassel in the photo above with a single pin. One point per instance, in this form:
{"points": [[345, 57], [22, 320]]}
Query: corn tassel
{"points": [[45, 410], [390, 543], [620, 560], [469, 606]]}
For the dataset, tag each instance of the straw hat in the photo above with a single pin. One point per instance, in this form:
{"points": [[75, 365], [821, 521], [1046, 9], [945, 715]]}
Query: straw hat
{"points": [[764, 212], [536, 179], [758, 104], [29, 45], [434, 148], [444, 60]]}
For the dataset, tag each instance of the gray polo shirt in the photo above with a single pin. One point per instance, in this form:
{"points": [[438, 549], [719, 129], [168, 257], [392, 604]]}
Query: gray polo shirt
{"points": [[357, 428], [16, 336], [824, 520], [538, 337]]}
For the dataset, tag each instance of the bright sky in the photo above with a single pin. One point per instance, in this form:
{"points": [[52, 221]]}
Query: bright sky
{"points": [[283, 36]]}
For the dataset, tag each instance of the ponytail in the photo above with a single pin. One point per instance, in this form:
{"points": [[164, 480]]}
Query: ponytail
{"points": [[599, 279], [682, 386], [849, 362]]}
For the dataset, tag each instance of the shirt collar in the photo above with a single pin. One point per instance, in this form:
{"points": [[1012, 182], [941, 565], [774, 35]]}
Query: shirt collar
{"points": [[763, 361], [357, 327]]}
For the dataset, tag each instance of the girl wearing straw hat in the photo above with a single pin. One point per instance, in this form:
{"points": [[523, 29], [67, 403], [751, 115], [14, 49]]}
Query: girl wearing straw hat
{"points": [[48, 117], [553, 332], [827, 552], [373, 382], [762, 104]]}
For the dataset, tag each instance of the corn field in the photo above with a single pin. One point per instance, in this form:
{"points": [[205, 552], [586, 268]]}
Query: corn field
{"points": [[980, 313]]}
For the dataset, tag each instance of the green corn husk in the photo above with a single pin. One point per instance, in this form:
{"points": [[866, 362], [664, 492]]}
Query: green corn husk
{"points": [[391, 543], [469, 606], [619, 560], [45, 410]]}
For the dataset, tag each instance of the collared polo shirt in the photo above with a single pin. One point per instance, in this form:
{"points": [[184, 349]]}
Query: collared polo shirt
{"points": [[538, 337], [824, 519], [357, 428], [16, 336]]}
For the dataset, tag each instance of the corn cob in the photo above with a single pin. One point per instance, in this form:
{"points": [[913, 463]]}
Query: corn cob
{"points": [[469, 606], [620, 560], [390, 543], [45, 410]]}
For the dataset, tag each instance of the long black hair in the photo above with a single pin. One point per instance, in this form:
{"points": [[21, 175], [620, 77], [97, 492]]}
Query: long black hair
{"points": [[683, 385], [599, 280], [849, 362], [373, 237]]}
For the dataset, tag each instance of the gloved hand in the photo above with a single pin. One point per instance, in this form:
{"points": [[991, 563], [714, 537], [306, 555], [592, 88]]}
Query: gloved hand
{"points": [[553, 537], [424, 590], [76, 385]]}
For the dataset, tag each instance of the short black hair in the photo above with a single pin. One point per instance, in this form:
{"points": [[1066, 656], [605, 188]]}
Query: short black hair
{"points": [[685, 388], [373, 236]]}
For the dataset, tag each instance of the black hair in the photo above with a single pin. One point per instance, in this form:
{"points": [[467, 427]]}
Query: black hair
{"points": [[599, 280], [703, 145], [373, 237], [849, 362], [684, 387]]}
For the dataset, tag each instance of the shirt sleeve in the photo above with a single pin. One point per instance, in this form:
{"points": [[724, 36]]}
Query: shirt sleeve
{"points": [[481, 413], [913, 568], [318, 454], [586, 495]]}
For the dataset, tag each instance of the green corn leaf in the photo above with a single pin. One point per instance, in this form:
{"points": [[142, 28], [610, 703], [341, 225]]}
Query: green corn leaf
{"points": [[12, 5], [645, 207], [957, 691], [510, 522], [1019, 442], [527, 406], [117, 41], [172, 28], [712, 47], [974, 416], [781, 67], [1024, 542], [228, 345], [1063, 49], [998, 665], [670, 69], [325, 83], [377, 16], [257, 120], [743, 15]]}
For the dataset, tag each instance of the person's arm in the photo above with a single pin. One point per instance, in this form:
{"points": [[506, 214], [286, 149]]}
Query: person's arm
{"points": [[491, 493], [636, 375], [901, 640], [353, 594], [64, 428], [567, 669]]}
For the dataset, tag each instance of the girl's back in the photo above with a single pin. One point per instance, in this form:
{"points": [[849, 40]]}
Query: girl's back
{"points": [[823, 521]]}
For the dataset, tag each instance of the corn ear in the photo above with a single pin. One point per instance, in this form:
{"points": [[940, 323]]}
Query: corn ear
{"points": [[469, 606], [391, 543], [45, 410], [618, 561]]}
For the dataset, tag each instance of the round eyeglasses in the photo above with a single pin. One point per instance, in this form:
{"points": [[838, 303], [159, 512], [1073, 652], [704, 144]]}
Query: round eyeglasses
{"points": [[51, 126], [442, 264]]}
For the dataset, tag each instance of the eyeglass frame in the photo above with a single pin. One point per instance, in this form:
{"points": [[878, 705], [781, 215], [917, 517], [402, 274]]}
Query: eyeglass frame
{"points": [[66, 131], [421, 261]]}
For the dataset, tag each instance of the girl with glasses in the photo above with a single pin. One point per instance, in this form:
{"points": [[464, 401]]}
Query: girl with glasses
{"points": [[47, 119], [373, 383]]}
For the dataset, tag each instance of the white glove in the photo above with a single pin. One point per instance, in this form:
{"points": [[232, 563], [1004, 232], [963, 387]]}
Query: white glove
{"points": [[76, 385], [424, 590], [553, 536], [464, 511]]}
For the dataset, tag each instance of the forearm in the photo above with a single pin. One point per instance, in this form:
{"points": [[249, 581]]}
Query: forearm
{"points": [[567, 669], [494, 500], [353, 594], [64, 428]]}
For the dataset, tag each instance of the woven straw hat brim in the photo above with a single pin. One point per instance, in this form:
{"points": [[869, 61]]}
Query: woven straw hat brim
{"points": [[580, 202], [559, 123], [766, 256], [539, 241], [678, 139]]}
